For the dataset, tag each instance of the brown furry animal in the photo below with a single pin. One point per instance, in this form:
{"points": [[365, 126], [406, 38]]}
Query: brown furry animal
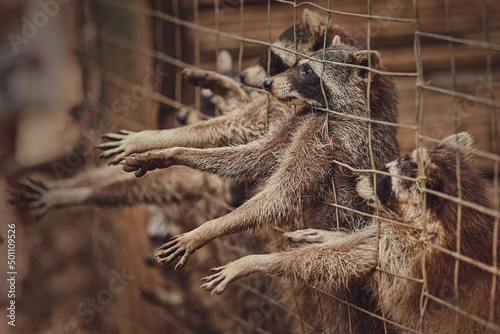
{"points": [[340, 257], [298, 159]]}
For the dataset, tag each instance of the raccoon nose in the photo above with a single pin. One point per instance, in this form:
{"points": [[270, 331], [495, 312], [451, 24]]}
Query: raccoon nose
{"points": [[242, 77], [267, 84]]}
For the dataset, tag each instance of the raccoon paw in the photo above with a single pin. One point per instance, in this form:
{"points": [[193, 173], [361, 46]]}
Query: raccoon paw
{"points": [[143, 163], [219, 84], [218, 282], [313, 236], [33, 194], [120, 144], [182, 246]]}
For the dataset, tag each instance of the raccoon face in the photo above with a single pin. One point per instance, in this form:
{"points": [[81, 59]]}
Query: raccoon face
{"points": [[300, 85], [309, 36], [254, 75], [340, 86], [403, 197]]}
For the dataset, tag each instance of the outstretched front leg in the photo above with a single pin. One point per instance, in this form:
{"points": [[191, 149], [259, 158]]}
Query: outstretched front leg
{"points": [[118, 189], [257, 159], [334, 263], [232, 129], [36, 194]]}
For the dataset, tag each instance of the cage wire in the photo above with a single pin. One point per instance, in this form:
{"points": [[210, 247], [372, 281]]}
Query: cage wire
{"points": [[446, 70]]}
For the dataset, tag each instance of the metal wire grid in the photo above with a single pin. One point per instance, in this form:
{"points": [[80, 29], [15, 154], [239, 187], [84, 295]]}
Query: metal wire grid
{"points": [[421, 87]]}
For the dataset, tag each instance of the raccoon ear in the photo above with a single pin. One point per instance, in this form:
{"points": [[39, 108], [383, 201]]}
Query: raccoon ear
{"points": [[361, 58], [314, 23], [463, 141], [336, 41]]}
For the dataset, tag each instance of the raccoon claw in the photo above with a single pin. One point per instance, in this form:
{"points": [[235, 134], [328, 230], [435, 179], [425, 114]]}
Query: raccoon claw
{"points": [[173, 241], [107, 145], [37, 182], [182, 262], [110, 153], [216, 270], [114, 137]]}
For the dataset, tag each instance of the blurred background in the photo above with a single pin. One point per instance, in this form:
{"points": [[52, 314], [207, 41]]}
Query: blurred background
{"points": [[71, 71]]}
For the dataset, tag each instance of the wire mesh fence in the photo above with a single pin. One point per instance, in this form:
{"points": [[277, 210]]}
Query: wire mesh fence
{"points": [[444, 58]]}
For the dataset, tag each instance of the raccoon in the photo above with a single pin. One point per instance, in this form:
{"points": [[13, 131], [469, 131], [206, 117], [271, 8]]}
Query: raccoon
{"points": [[302, 158], [337, 258]]}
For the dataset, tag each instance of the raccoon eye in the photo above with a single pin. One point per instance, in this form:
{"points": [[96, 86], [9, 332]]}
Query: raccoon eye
{"points": [[306, 71]]}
